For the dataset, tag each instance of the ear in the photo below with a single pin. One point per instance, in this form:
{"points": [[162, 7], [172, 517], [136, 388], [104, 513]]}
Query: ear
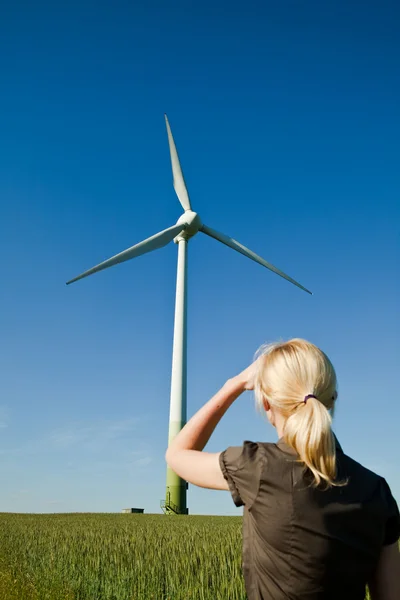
{"points": [[267, 405]]}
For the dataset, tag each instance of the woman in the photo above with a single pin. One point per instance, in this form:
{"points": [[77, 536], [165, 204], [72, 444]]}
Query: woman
{"points": [[317, 525]]}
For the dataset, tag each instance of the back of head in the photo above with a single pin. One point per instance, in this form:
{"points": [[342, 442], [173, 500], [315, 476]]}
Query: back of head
{"points": [[298, 380]]}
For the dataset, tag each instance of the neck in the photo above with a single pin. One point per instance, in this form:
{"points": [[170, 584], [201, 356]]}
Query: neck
{"points": [[279, 424]]}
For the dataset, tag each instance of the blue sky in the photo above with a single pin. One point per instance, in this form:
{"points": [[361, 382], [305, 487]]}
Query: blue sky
{"points": [[286, 118]]}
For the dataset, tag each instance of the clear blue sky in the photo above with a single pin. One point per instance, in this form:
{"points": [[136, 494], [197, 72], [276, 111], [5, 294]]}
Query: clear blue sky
{"points": [[287, 121]]}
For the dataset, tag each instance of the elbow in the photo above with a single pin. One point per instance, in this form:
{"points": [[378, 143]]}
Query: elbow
{"points": [[172, 460], [168, 457]]}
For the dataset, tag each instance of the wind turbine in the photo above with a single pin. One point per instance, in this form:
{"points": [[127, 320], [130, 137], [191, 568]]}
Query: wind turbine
{"points": [[187, 226]]}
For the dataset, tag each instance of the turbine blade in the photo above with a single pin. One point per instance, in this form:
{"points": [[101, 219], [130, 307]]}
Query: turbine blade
{"points": [[179, 182], [228, 241], [152, 243]]}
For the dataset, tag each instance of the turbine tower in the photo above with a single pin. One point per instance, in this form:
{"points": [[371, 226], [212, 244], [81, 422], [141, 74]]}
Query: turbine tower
{"points": [[187, 226]]}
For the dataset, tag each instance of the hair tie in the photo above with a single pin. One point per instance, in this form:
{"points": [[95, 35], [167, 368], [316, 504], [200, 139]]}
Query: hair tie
{"points": [[309, 396]]}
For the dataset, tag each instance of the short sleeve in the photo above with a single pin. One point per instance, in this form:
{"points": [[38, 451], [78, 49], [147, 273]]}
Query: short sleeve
{"points": [[392, 527], [241, 466]]}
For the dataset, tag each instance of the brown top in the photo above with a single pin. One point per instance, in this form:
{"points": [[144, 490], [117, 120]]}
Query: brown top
{"points": [[302, 543]]}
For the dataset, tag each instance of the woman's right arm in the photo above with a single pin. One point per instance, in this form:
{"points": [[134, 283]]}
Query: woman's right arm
{"points": [[385, 584]]}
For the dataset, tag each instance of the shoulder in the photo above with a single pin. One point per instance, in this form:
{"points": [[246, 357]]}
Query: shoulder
{"points": [[242, 466], [358, 472], [245, 466], [373, 486], [239, 456], [249, 454]]}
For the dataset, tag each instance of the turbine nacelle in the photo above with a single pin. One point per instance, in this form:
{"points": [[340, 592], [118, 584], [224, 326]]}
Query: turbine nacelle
{"points": [[192, 224]]}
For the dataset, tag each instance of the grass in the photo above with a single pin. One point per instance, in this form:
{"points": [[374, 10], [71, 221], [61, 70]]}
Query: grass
{"points": [[120, 557]]}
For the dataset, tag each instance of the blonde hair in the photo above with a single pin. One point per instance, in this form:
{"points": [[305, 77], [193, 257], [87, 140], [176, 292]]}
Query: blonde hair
{"points": [[287, 372]]}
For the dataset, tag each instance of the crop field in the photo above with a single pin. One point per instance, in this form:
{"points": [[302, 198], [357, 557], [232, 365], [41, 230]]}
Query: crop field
{"points": [[120, 557]]}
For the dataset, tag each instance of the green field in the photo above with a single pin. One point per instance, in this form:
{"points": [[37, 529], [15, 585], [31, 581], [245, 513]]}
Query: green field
{"points": [[120, 557]]}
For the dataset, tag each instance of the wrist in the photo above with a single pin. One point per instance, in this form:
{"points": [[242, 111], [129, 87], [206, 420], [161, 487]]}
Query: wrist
{"points": [[237, 383]]}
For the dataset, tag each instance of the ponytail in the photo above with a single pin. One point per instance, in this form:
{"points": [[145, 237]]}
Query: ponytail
{"points": [[308, 431]]}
